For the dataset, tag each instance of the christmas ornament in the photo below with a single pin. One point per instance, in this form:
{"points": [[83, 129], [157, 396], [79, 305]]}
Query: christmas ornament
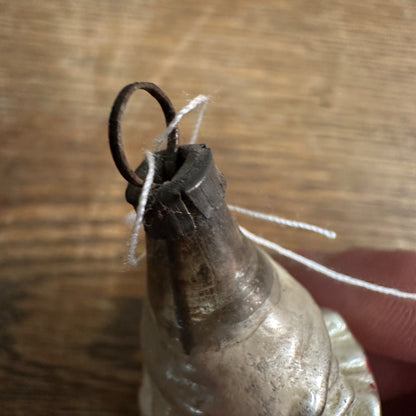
{"points": [[225, 330]]}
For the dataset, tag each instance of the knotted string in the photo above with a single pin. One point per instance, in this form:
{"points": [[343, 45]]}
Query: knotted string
{"points": [[201, 102]]}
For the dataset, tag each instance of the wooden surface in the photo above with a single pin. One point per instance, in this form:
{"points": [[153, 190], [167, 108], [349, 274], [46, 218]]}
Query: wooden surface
{"points": [[312, 117]]}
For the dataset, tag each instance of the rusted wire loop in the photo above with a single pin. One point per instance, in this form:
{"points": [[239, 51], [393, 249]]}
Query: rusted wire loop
{"points": [[114, 126]]}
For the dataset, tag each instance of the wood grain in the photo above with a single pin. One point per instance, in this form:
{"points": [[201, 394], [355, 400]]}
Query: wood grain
{"points": [[311, 117]]}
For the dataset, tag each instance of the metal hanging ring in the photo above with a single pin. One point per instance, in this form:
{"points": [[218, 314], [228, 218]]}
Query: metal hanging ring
{"points": [[114, 126]]}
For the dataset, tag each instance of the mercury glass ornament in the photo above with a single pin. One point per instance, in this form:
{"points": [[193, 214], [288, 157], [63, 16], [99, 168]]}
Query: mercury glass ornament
{"points": [[225, 330]]}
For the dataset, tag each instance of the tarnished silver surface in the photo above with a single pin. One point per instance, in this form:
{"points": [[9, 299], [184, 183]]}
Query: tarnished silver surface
{"points": [[225, 330], [286, 359], [354, 368]]}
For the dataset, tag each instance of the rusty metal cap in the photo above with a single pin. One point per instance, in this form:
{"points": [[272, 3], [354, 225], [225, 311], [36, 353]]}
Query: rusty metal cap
{"points": [[196, 185]]}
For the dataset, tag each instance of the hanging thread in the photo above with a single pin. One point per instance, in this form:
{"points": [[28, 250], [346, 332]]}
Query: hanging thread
{"points": [[131, 257], [340, 277], [283, 221], [201, 102]]}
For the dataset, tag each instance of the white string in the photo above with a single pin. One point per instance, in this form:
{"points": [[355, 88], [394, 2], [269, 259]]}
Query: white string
{"points": [[340, 277], [203, 105], [284, 221], [201, 100], [131, 257]]}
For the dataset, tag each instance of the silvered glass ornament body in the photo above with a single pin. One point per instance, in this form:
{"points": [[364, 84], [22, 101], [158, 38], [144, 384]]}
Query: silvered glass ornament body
{"points": [[225, 330]]}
